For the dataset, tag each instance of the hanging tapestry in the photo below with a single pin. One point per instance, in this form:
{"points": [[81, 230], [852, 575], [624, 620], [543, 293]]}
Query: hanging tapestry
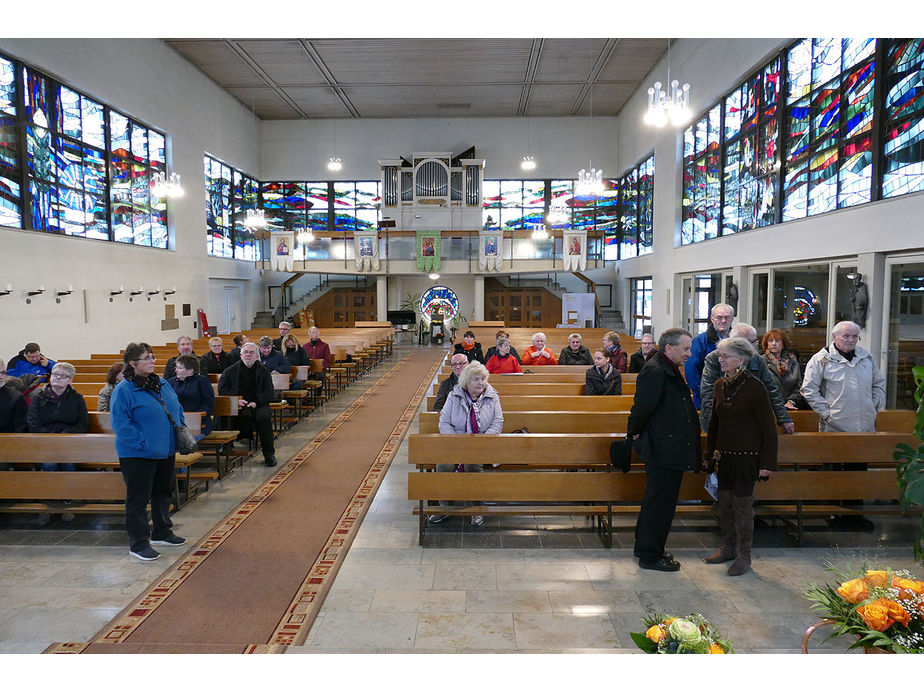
{"points": [[574, 249], [428, 251], [366, 250], [490, 257], [282, 243]]}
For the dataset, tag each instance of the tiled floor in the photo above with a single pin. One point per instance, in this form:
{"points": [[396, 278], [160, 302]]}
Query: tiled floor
{"points": [[515, 585]]}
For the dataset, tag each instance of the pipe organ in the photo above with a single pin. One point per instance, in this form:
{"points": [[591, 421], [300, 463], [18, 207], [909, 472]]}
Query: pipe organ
{"points": [[432, 191]]}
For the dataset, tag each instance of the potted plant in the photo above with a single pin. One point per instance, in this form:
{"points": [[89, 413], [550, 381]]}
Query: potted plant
{"points": [[910, 468], [883, 609], [671, 635], [411, 301]]}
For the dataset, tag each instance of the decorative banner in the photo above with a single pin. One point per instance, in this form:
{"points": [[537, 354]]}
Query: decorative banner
{"points": [[366, 250], [574, 249], [429, 249], [282, 244], [490, 258]]}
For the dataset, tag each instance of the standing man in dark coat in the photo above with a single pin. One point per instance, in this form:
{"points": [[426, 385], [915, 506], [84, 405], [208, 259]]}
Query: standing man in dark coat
{"points": [[664, 429], [13, 407], [457, 362], [251, 383]]}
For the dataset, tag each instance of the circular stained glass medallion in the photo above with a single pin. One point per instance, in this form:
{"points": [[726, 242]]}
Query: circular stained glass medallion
{"points": [[439, 297]]}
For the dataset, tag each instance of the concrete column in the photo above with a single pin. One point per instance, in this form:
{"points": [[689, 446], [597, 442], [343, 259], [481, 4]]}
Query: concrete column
{"points": [[872, 267], [479, 297], [381, 297]]}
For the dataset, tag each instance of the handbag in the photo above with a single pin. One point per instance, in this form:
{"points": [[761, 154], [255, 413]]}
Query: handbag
{"points": [[185, 441]]}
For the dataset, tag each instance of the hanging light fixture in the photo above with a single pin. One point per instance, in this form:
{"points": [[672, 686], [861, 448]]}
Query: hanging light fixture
{"points": [[528, 163], [539, 233], [590, 182], [434, 276], [256, 219], [162, 186], [558, 214], [305, 237], [335, 163], [663, 109]]}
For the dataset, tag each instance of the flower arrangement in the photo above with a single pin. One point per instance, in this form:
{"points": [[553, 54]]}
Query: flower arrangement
{"points": [[882, 608], [671, 635]]}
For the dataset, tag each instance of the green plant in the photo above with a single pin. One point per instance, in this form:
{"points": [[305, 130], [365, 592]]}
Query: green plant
{"points": [[670, 635], [910, 468]]}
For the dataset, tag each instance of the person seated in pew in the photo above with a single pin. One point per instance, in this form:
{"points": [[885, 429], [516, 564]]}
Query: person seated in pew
{"points": [[538, 354], [295, 355], [239, 341], [469, 348], [502, 361], [184, 346], [143, 412], [457, 362], [273, 361], [284, 329], [645, 351], [493, 350], [59, 408], [315, 348], [575, 354], [613, 348], [741, 448], [114, 376], [252, 384], [602, 378], [217, 359], [783, 365], [30, 361], [473, 406], [194, 391], [13, 406]]}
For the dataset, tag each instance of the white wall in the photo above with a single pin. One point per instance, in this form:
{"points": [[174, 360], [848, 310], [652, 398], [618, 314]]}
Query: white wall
{"points": [[150, 81], [299, 149]]}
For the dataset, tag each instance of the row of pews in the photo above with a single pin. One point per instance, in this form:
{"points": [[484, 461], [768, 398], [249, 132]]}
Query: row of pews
{"points": [[562, 465], [94, 488]]}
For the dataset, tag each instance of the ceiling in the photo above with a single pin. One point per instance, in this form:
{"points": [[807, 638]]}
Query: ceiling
{"points": [[281, 79]]}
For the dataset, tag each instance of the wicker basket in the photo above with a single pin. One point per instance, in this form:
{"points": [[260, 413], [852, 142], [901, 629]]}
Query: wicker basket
{"points": [[827, 622]]}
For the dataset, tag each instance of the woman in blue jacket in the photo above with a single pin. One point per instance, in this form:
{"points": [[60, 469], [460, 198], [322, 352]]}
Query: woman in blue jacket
{"points": [[146, 445]]}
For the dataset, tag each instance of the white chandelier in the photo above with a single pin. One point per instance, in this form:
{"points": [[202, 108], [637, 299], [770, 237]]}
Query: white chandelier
{"points": [[161, 186], [663, 108], [305, 237], [256, 219], [528, 163], [335, 163], [589, 182], [539, 232], [558, 214]]}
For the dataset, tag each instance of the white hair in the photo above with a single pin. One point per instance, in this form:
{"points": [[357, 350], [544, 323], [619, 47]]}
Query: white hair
{"points": [[842, 324], [181, 338], [538, 335], [287, 324], [473, 370], [742, 329], [573, 335], [722, 305]]}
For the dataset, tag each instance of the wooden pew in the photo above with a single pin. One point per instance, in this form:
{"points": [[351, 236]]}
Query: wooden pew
{"points": [[562, 474], [514, 386], [97, 491], [890, 420], [559, 402]]}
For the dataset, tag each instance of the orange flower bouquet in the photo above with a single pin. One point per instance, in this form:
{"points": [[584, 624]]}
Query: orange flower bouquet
{"points": [[690, 635], [882, 608]]}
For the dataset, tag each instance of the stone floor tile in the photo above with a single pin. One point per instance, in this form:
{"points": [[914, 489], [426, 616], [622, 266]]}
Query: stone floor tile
{"points": [[375, 577], [542, 577], [584, 602], [465, 632], [348, 600], [436, 600], [683, 602], [560, 631], [360, 632], [456, 576], [507, 601]]}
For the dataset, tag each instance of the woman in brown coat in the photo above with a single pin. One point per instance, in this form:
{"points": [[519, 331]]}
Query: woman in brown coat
{"points": [[741, 448]]}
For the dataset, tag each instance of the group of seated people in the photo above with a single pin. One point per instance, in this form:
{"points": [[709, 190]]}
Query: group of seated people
{"points": [[606, 364]]}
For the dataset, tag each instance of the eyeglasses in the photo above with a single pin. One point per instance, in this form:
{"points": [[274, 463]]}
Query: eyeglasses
{"points": [[459, 365], [149, 357], [61, 376]]}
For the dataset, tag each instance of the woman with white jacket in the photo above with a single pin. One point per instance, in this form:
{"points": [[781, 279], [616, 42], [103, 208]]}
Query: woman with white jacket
{"points": [[472, 406]]}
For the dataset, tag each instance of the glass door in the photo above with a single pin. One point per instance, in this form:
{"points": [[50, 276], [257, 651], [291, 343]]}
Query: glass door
{"points": [[905, 331], [760, 297], [800, 306]]}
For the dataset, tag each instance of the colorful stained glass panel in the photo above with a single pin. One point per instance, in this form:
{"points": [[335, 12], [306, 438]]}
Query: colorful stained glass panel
{"points": [[7, 87], [903, 165]]}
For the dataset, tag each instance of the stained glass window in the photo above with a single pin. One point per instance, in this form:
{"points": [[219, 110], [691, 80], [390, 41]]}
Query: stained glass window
{"points": [[244, 196], [701, 169], [439, 297], [356, 205], [10, 193], [903, 142], [139, 216], [827, 149], [513, 204], [218, 208]]}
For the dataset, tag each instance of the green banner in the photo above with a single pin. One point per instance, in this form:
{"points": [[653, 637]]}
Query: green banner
{"points": [[429, 249]]}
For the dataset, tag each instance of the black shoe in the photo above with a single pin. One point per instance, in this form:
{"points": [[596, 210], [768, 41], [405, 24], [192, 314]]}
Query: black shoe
{"points": [[170, 540], [145, 553], [667, 565], [270, 461]]}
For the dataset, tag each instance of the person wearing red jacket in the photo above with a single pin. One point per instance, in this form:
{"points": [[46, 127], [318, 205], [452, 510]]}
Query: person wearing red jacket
{"points": [[503, 361], [316, 349]]}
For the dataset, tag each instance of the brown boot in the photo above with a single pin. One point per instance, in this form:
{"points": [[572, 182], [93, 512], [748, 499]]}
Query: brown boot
{"points": [[744, 528], [727, 524]]}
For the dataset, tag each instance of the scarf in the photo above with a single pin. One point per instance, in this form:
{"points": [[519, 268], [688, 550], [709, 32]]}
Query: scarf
{"points": [[474, 406], [849, 355], [468, 347], [778, 363], [731, 385], [148, 384]]}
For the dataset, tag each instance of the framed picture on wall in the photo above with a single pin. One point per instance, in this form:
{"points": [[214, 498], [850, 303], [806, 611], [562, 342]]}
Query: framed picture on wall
{"points": [[605, 295]]}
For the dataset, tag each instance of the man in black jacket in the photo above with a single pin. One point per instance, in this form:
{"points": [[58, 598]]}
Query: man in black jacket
{"points": [[645, 351], [184, 347], [217, 359], [664, 429], [252, 385], [13, 407], [458, 362]]}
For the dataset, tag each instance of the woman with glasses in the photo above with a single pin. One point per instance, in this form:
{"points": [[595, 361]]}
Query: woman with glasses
{"points": [[144, 409], [58, 408]]}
